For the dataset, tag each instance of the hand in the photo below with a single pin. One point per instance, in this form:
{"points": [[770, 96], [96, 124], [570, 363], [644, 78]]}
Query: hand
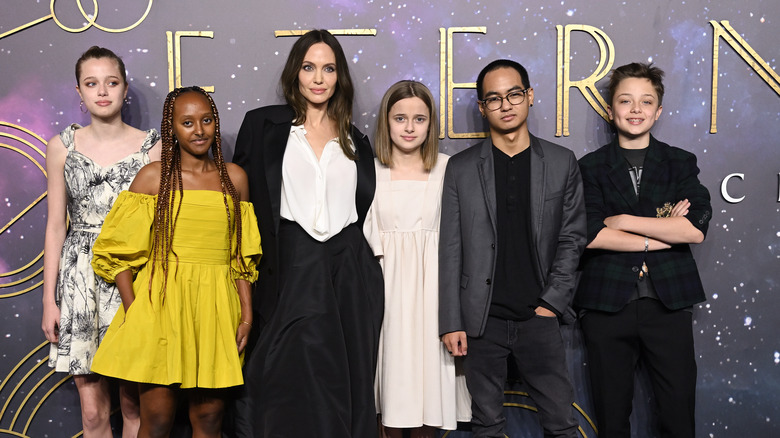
{"points": [[543, 311], [613, 222], [456, 343], [51, 322], [680, 208], [242, 336]]}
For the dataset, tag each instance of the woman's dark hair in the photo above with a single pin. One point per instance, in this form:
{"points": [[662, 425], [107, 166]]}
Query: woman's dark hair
{"points": [[340, 104], [96, 52]]}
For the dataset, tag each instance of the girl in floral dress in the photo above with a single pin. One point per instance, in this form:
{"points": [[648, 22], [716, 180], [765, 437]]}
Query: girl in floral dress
{"points": [[87, 168]]}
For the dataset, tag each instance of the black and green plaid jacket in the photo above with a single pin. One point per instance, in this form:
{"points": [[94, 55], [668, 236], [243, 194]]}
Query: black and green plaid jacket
{"points": [[669, 175]]}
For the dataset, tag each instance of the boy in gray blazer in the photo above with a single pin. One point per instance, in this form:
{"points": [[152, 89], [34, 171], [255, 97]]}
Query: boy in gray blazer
{"points": [[512, 232]]}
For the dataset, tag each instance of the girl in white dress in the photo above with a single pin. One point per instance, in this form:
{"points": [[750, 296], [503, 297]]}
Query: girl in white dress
{"points": [[416, 383]]}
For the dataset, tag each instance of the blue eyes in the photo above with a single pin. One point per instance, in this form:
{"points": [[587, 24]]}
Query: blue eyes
{"points": [[309, 68]]}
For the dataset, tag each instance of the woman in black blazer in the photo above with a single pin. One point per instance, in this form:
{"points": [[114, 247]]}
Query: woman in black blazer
{"points": [[319, 299]]}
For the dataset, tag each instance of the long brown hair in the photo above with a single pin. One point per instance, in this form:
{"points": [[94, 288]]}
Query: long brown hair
{"points": [[166, 213], [340, 104], [384, 145]]}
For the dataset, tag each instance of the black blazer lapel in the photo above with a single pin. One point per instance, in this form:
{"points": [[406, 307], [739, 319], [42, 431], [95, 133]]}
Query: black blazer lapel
{"points": [[366, 175], [275, 137], [655, 179], [537, 189], [620, 178]]}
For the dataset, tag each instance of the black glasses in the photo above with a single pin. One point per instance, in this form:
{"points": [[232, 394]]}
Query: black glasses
{"points": [[495, 102]]}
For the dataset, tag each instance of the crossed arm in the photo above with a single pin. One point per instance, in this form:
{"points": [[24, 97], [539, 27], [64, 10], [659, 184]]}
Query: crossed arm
{"points": [[627, 233]]}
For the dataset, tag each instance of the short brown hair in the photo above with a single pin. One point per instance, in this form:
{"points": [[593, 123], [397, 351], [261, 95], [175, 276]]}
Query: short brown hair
{"points": [[398, 91], [637, 70]]}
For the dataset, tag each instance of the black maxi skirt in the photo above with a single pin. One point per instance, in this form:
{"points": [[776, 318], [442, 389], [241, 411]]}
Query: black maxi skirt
{"points": [[316, 358]]}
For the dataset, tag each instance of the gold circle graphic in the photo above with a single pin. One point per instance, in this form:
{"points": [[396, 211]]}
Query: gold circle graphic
{"points": [[27, 149], [92, 21]]}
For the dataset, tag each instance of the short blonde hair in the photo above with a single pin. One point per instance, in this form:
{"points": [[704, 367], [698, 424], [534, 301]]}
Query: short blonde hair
{"points": [[384, 146]]}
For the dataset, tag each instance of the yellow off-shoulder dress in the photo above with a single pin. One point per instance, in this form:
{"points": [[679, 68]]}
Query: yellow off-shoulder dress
{"points": [[189, 337]]}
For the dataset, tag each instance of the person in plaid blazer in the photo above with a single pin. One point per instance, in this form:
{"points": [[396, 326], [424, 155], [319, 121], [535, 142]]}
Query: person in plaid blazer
{"points": [[645, 205]]}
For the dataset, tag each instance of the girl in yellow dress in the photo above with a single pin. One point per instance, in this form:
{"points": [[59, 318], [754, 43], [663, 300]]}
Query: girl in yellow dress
{"points": [[182, 246]]}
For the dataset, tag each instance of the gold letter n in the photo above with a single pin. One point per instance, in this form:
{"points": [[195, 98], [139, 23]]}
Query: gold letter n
{"points": [[743, 49]]}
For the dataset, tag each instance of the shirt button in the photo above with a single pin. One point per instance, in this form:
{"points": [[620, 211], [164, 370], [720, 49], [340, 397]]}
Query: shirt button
{"points": [[635, 268], [493, 245], [487, 282]]}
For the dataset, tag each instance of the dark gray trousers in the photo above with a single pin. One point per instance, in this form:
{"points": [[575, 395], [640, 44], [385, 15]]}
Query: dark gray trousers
{"points": [[537, 348]]}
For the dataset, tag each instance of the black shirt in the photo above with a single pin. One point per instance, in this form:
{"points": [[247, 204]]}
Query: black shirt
{"points": [[515, 286]]}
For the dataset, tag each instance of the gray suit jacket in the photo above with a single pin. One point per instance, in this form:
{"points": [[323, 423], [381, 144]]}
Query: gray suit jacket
{"points": [[467, 256]]}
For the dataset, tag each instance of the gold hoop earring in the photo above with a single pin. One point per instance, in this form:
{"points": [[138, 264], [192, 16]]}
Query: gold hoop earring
{"points": [[81, 106]]}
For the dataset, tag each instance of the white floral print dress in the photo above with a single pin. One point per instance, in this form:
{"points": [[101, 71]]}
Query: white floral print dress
{"points": [[87, 303]]}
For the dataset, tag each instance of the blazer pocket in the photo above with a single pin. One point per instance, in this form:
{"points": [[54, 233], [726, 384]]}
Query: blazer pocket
{"points": [[464, 281]]}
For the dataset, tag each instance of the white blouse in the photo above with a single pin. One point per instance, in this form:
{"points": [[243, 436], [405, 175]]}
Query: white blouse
{"points": [[318, 195]]}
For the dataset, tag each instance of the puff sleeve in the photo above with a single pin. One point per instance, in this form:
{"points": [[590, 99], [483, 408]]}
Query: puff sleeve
{"points": [[126, 237], [251, 251]]}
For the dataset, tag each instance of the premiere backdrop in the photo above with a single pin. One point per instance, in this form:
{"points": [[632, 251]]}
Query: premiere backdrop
{"points": [[721, 104]]}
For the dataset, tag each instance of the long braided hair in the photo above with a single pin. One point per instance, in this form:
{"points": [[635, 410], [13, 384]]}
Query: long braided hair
{"points": [[167, 211]]}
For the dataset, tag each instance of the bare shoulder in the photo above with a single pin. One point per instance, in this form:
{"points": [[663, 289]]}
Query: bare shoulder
{"points": [[239, 179], [56, 150], [147, 180], [55, 141]]}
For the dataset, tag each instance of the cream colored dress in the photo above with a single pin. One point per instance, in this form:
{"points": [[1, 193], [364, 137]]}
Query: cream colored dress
{"points": [[416, 380]]}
